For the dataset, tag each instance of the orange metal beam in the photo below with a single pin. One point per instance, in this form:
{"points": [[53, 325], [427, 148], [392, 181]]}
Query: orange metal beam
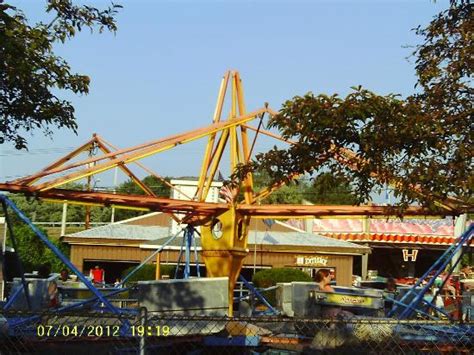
{"points": [[127, 171], [288, 211], [131, 157], [106, 199], [89, 161], [31, 179], [149, 171], [350, 158], [208, 209], [207, 160], [54, 168], [215, 163], [233, 130], [268, 133], [211, 161], [248, 180]]}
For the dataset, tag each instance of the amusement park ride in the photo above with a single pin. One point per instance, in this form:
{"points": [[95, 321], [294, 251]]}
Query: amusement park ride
{"points": [[223, 226]]}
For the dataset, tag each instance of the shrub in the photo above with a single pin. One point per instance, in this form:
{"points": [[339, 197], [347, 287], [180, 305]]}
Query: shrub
{"points": [[148, 272], [270, 277], [167, 270]]}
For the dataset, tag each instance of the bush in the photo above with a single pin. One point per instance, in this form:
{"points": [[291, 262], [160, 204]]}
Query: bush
{"points": [[270, 277], [148, 272], [167, 270]]}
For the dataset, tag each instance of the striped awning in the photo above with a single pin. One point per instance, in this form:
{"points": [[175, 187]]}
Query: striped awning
{"points": [[392, 238]]}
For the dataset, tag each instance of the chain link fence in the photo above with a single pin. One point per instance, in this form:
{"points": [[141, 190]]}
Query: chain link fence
{"points": [[157, 333]]}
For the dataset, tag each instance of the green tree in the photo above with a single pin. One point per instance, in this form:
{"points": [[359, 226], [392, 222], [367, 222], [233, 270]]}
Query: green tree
{"points": [[33, 252], [130, 187], [41, 211], [31, 74], [156, 185], [292, 193], [423, 142], [328, 189]]}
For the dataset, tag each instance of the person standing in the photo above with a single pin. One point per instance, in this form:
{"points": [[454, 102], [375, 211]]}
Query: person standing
{"points": [[389, 294], [97, 274]]}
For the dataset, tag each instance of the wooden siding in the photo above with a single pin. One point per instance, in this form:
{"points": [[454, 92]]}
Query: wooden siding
{"points": [[164, 220], [79, 253], [342, 263]]}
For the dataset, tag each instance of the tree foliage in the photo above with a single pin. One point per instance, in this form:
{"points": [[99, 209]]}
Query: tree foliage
{"points": [[421, 143], [323, 189], [129, 187], [31, 73], [292, 193], [33, 252], [328, 189], [40, 211], [156, 185]]}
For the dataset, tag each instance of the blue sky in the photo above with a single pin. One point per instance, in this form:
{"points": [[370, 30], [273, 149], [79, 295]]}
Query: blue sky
{"points": [[160, 73]]}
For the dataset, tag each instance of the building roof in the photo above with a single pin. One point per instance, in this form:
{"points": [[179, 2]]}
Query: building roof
{"points": [[123, 231], [278, 239], [270, 233]]}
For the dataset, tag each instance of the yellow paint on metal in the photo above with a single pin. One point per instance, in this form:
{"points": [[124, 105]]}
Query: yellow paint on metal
{"points": [[157, 267], [247, 184], [211, 139], [215, 163], [224, 247], [349, 300], [224, 238], [127, 171]]}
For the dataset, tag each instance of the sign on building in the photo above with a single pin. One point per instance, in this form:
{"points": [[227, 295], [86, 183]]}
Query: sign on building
{"points": [[407, 256], [313, 260]]}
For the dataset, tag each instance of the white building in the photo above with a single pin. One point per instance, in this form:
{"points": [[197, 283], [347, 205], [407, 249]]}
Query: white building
{"points": [[186, 189]]}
